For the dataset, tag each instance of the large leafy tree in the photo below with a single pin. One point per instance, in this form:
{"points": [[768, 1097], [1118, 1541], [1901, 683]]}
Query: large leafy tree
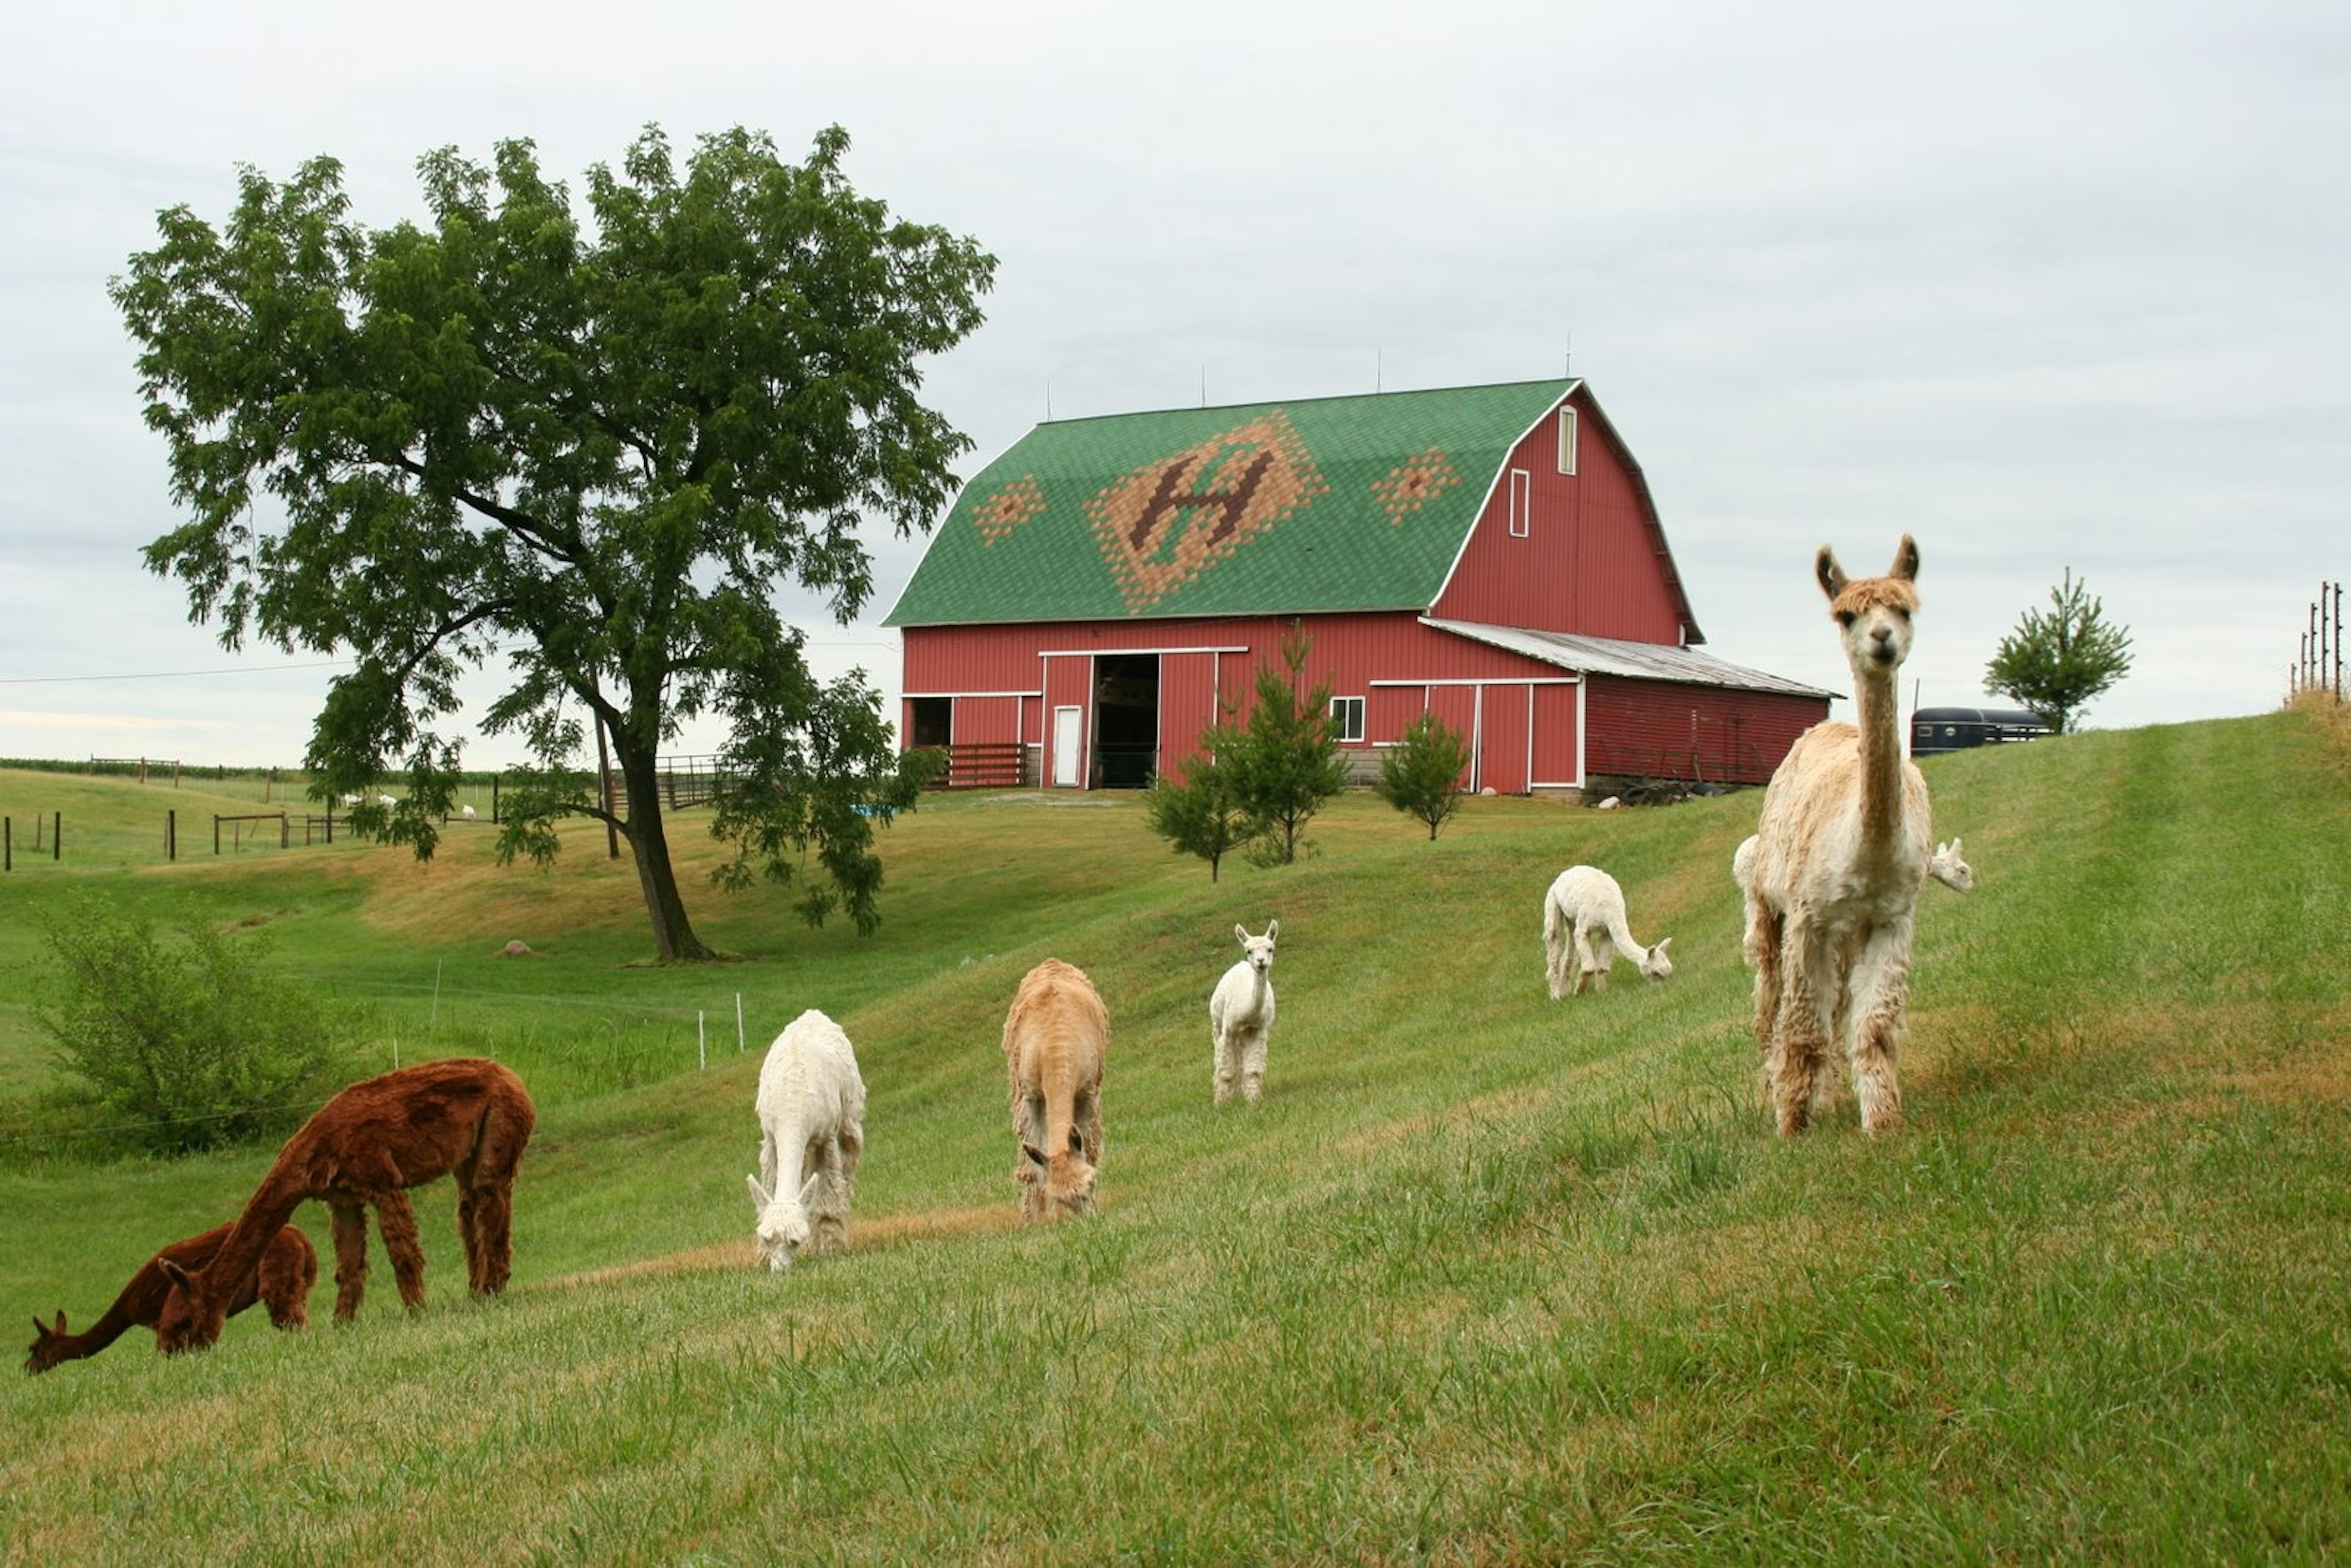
{"points": [[2057, 660], [584, 448]]}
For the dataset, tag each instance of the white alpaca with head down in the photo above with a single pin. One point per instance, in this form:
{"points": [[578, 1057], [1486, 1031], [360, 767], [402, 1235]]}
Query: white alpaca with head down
{"points": [[1585, 928], [1240, 1016], [1844, 846], [812, 1107]]}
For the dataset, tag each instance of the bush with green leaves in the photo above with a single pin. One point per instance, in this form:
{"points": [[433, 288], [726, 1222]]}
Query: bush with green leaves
{"points": [[1422, 777], [187, 1041], [2054, 663]]}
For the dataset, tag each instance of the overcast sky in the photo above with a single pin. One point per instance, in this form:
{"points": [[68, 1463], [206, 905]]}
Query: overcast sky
{"points": [[2048, 285]]}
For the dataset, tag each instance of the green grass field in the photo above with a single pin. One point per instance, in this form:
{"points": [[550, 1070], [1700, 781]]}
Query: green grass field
{"points": [[1485, 1278]]}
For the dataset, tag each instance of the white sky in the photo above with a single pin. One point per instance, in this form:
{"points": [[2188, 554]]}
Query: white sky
{"points": [[2047, 285]]}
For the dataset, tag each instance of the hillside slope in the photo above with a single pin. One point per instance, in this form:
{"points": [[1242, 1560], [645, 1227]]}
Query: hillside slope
{"points": [[1485, 1278]]}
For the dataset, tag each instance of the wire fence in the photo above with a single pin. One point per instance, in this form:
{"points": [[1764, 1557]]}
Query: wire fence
{"points": [[2318, 667]]}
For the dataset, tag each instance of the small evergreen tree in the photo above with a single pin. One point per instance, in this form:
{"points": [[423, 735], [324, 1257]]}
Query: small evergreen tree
{"points": [[2053, 663], [1422, 777], [1199, 816], [1284, 762]]}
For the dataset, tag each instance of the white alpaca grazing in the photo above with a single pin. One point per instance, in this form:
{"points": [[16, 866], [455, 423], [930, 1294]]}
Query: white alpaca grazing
{"points": [[1842, 851], [1583, 919], [1945, 865], [811, 1129], [1240, 1016]]}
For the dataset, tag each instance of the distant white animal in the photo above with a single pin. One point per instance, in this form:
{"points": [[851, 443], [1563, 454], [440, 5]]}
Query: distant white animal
{"points": [[1583, 919], [386, 800], [1945, 865], [1240, 1016], [466, 812], [351, 800], [812, 1107]]}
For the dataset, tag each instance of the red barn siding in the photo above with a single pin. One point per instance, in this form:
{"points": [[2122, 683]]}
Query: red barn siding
{"points": [[1588, 564], [1557, 760], [1188, 705], [1503, 718], [1660, 730]]}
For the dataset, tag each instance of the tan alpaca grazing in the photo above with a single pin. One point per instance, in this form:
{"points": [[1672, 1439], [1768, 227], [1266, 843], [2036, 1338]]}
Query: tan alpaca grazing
{"points": [[1840, 855], [1054, 1040], [465, 1117], [289, 1269]]}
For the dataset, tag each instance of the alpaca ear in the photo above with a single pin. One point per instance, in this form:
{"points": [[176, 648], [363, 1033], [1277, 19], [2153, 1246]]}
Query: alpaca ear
{"points": [[1033, 1153], [1663, 942], [1906, 560], [1955, 843], [1272, 929], [808, 1187], [177, 1275], [1240, 934], [1077, 1144], [1831, 575], [760, 1197]]}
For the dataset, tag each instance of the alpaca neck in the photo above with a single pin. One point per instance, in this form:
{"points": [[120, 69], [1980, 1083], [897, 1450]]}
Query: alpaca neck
{"points": [[109, 1328], [1881, 756], [238, 1261]]}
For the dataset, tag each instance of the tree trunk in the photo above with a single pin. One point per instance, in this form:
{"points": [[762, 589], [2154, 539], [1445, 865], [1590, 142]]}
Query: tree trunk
{"points": [[674, 937]]}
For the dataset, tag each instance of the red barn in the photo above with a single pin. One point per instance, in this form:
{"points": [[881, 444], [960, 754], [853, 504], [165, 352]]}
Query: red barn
{"points": [[1489, 554]]}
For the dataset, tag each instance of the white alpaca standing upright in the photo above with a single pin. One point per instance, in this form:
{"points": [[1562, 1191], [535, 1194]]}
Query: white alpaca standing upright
{"points": [[1583, 917], [1841, 853], [1240, 1016], [812, 1130]]}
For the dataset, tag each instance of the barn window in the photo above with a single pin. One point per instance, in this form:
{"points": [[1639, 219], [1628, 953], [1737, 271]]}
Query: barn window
{"points": [[933, 720], [1567, 441], [1347, 717], [1521, 501]]}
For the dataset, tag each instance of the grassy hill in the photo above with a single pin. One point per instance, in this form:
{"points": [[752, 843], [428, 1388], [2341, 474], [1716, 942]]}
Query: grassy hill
{"points": [[1486, 1278]]}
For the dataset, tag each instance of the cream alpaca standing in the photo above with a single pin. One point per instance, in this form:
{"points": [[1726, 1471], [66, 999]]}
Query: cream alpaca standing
{"points": [[1583, 917], [1840, 855], [1055, 1037], [1240, 1016], [812, 1130]]}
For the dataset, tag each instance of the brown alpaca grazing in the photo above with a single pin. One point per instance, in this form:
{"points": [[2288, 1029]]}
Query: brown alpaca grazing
{"points": [[289, 1269], [1841, 852], [465, 1117], [1054, 1040]]}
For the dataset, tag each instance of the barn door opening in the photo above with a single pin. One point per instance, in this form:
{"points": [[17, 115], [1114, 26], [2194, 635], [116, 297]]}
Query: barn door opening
{"points": [[1126, 719]]}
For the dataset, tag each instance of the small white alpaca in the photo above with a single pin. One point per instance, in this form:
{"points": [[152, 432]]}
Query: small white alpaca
{"points": [[386, 800], [811, 1129], [1945, 865], [466, 812], [1240, 1016], [1583, 917]]}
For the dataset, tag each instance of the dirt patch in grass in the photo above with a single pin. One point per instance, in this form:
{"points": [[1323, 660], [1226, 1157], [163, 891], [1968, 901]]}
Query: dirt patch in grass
{"points": [[864, 1236]]}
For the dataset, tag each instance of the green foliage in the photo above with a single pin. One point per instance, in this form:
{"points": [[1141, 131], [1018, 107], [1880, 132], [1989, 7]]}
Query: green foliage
{"points": [[583, 447], [1284, 761], [2054, 663], [1422, 777], [188, 1043], [1199, 816]]}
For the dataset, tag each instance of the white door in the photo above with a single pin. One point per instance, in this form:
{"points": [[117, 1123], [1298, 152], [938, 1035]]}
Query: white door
{"points": [[1067, 774]]}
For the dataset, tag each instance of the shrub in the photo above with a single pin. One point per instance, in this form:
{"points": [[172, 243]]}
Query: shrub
{"points": [[1422, 777], [1200, 816], [190, 1042], [1283, 762]]}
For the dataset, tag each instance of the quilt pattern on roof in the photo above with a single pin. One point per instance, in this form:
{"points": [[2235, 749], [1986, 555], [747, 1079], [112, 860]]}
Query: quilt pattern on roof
{"points": [[1322, 504]]}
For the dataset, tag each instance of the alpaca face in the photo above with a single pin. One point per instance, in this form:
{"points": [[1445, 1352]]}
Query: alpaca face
{"points": [[1873, 613], [1062, 1185], [1258, 950], [783, 1228], [1656, 966], [49, 1345], [190, 1319]]}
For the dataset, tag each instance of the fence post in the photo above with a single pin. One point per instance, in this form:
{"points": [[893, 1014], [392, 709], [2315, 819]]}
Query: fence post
{"points": [[7, 844], [740, 1046], [701, 1040], [215, 833], [56, 835], [172, 833]]}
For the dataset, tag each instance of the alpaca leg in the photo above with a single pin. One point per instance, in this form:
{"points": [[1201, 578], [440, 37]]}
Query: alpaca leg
{"points": [[1603, 958], [1584, 963], [1028, 1126], [1227, 1065], [286, 1282], [397, 1222], [348, 1222], [491, 1262], [1763, 946], [1880, 1005], [485, 1201], [1087, 1114], [1253, 1063], [1556, 952], [1800, 1034]]}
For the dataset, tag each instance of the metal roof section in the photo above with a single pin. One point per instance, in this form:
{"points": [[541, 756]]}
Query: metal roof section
{"points": [[1634, 661]]}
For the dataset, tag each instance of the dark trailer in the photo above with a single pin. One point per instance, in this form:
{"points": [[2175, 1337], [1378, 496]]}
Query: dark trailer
{"points": [[1934, 730]]}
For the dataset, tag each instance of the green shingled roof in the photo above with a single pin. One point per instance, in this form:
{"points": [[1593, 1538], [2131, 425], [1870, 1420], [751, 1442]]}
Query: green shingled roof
{"points": [[1327, 504]]}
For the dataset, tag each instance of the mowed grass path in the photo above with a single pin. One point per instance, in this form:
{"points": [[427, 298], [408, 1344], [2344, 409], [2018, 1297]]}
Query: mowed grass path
{"points": [[1485, 1278]]}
